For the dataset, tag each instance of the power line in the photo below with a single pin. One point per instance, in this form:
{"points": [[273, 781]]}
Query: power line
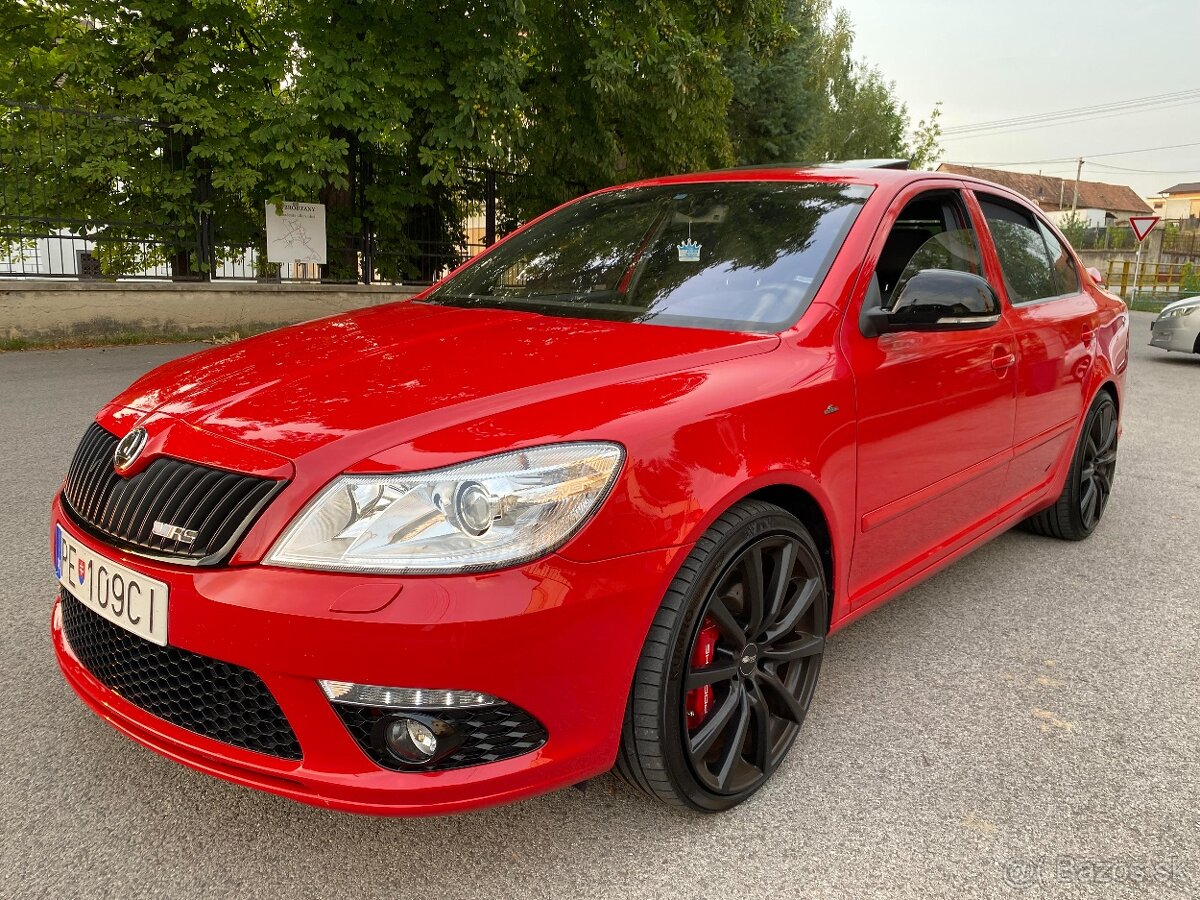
{"points": [[1074, 110], [1176, 97], [1147, 149], [1075, 120], [1145, 171], [1065, 159]]}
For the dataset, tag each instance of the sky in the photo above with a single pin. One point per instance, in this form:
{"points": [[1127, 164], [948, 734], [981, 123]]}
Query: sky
{"points": [[998, 60]]}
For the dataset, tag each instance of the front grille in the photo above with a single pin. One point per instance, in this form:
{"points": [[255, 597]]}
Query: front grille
{"points": [[218, 505], [491, 733], [204, 695]]}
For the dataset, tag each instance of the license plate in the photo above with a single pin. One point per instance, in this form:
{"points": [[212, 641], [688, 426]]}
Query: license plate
{"points": [[124, 597]]}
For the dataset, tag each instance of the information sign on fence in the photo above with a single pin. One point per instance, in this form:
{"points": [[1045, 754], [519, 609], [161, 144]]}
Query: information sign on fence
{"points": [[296, 232]]}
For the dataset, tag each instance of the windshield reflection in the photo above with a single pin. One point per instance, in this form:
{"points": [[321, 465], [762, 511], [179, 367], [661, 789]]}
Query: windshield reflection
{"points": [[743, 256]]}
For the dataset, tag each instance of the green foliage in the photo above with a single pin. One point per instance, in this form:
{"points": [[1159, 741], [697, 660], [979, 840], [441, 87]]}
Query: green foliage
{"points": [[1074, 228], [380, 110], [806, 98], [924, 148], [775, 92], [203, 76], [1189, 279], [617, 90]]}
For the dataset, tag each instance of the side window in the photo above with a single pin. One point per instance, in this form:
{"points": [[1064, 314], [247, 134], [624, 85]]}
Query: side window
{"points": [[1066, 279], [1028, 269], [933, 231]]}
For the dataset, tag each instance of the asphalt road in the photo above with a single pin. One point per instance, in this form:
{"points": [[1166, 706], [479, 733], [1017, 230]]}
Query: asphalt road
{"points": [[1030, 714]]}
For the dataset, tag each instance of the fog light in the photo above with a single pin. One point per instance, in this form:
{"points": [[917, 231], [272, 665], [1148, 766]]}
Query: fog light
{"points": [[410, 740]]}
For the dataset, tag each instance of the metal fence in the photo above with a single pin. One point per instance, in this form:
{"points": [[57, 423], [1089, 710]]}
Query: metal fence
{"points": [[1104, 237], [1180, 236], [1152, 280], [79, 192], [92, 195]]}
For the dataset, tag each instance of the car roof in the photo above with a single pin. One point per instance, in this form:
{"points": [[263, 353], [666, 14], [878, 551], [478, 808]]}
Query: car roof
{"points": [[877, 173], [820, 173], [871, 175]]}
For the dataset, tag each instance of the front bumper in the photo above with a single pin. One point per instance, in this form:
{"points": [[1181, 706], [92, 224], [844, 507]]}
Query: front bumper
{"points": [[1176, 333], [556, 638]]}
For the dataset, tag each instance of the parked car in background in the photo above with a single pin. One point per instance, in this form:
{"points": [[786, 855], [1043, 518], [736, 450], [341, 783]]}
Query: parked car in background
{"points": [[1177, 327], [597, 498]]}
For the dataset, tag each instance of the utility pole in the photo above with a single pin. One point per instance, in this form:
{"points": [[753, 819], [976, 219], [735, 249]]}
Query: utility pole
{"points": [[1075, 202]]}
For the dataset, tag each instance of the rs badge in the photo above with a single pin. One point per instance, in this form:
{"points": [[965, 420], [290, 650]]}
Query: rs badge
{"points": [[175, 532]]}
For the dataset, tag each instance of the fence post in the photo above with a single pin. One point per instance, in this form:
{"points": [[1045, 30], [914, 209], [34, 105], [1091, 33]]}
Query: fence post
{"points": [[368, 254], [1124, 277], [489, 214], [206, 257]]}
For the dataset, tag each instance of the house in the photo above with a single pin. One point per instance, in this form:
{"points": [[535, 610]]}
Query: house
{"points": [[1180, 201], [1099, 203]]}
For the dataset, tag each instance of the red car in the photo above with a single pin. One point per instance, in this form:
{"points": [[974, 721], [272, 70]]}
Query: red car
{"points": [[599, 497]]}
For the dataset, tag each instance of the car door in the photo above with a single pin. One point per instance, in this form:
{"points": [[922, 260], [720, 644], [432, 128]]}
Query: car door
{"points": [[1054, 324], [935, 409]]}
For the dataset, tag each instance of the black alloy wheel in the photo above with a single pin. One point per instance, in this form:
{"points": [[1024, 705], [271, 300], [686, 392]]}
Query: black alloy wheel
{"points": [[1085, 496], [730, 665], [765, 666], [1099, 465]]}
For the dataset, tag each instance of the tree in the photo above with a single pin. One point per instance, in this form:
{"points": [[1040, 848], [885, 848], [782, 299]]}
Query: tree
{"points": [[1074, 227], [773, 112], [383, 111], [925, 147], [810, 100], [184, 106], [615, 90], [412, 94]]}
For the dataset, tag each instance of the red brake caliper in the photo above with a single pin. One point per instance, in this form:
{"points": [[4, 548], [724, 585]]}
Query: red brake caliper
{"points": [[699, 701]]}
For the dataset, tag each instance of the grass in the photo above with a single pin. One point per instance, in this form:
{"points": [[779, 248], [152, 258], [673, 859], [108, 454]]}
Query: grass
{"points": [[1158, 301], [1146, 305], [120, 339]]}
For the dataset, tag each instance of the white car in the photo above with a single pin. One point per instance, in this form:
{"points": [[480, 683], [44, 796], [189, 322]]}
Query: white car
{"points": [[1178, 326]]}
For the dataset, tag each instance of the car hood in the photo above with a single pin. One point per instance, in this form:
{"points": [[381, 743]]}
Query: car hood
{"points": [[408, 368], [1186, 301]]}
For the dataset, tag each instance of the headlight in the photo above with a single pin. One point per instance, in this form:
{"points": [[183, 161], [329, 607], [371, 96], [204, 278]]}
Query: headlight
{"points": [[1180, 311], [493, 512]]}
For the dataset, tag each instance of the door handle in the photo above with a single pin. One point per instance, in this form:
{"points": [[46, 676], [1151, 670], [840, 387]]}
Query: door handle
{"points": [[1003, 359]]}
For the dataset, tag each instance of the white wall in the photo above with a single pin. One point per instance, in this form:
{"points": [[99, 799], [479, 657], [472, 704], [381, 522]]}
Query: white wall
{"points": [[1095, 218]]}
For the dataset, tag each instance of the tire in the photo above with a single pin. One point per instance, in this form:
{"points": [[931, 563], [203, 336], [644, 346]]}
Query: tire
{"points": [[1080, 506], [709, 748]]}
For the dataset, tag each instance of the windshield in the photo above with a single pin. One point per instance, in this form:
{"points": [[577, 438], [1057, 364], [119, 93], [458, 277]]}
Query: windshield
{"points": [[737, 256]]}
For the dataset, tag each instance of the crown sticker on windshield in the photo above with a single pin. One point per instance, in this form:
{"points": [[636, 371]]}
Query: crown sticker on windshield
{"points": [[689, 251]]}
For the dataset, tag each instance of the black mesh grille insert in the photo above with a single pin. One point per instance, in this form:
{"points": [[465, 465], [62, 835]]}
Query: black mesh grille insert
{"points": [[490, 733], [218, 505], [213, 698]]}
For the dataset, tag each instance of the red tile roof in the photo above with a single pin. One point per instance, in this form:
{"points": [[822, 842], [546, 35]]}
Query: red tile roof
{"points": [[1052, 193]]}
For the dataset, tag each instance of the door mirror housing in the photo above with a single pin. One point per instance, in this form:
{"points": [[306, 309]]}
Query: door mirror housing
{"points": [[934, 300]]}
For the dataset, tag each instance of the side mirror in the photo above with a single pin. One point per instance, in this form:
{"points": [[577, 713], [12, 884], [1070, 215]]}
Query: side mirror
{"points": [[1096, 276], [934, 300]]}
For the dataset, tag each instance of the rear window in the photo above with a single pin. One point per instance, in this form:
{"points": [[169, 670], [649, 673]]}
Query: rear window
{"points": [[737, 256]]}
